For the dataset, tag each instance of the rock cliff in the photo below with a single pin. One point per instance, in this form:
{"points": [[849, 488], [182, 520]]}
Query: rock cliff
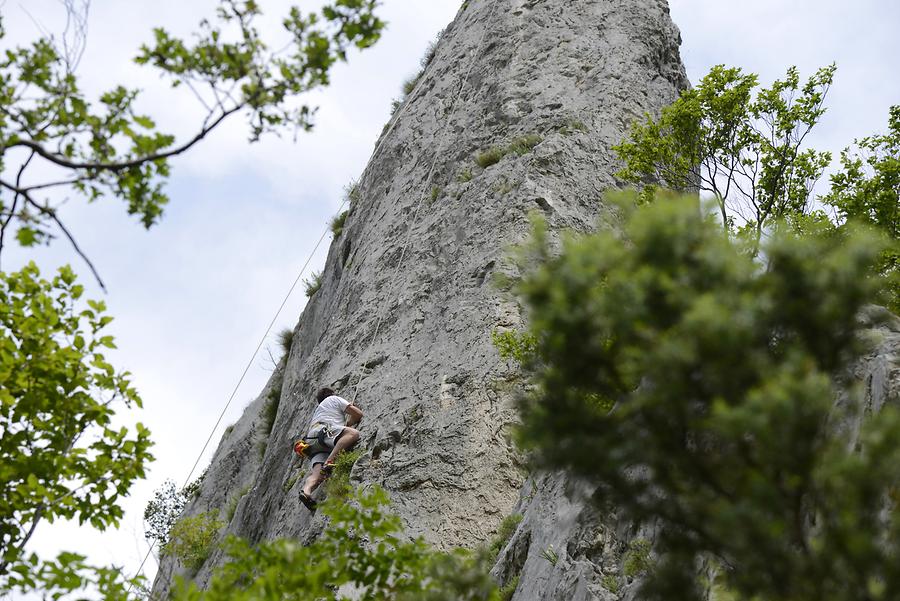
{"points": [[407, 304]]}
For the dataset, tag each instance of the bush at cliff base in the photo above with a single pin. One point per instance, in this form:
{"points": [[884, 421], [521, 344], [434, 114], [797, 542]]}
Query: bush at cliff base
{"points": [[361, 549]]}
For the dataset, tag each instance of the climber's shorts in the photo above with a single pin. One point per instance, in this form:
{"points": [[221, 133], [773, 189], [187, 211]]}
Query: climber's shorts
{"points": [[332, 433]]}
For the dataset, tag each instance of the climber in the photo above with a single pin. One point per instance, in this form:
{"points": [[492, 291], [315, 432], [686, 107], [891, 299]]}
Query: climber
{"points": [[331, 436]]}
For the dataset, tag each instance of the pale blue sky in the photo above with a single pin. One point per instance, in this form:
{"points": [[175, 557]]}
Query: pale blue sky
{"points": [[192, 296]]}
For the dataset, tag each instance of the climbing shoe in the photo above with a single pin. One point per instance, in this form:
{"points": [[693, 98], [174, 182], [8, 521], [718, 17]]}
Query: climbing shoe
{"points": [[308, 502], [327, 468]]}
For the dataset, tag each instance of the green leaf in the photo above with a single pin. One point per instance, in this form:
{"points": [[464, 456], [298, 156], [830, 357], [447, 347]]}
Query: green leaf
{"points": [[27, 236]]}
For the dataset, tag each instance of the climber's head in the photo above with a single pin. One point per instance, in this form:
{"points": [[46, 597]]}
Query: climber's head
{"points": [[323, 394]]}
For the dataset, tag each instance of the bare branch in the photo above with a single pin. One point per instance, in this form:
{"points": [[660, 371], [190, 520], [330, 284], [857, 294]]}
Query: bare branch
{"points": [[51, 213]]}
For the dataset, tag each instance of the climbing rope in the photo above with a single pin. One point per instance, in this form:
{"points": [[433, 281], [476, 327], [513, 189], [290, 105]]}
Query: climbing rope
{"points": [[240, 380], [426, 181]]}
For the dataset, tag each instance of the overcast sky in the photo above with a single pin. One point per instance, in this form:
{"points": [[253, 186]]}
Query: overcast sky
{"points": [[192, 296]]}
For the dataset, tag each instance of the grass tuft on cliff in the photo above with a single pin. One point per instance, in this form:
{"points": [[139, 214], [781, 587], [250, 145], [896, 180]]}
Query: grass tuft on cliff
{"points": [[338, 484], [504, 533], [313, 284], [337, 224]]}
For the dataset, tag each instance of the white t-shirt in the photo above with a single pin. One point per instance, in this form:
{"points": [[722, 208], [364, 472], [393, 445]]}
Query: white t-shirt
{"points": [[330, 411]]}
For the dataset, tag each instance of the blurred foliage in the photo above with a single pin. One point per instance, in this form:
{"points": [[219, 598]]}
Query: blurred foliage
{"points": [[723, 432], [62, 456], [361, 549]]}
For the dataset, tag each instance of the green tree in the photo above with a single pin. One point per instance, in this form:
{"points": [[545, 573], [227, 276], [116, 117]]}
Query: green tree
{"points": [[745, 146], [361, 548], [742, 144], [61, 454], [62, 458], [48, 125], [696, 389], [867, 189], [162, 511]]}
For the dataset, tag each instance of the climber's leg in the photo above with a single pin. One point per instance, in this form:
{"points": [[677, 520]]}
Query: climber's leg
{"points": [[345, 440], [314, 479]]}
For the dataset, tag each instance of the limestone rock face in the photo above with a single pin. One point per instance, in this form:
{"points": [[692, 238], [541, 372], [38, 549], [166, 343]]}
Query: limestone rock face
{"points": [[408, 304]]}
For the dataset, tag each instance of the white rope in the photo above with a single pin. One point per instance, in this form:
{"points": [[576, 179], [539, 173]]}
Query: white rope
{"points": [[240, 380]]}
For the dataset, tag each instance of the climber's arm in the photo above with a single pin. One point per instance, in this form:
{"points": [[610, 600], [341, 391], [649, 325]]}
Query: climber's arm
{"points": [[353, 415]]}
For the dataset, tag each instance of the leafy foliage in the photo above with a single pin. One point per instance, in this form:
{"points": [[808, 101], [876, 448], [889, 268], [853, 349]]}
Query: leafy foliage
{"points": [[489, 157], [286, 340], [509, 589], [516, 346], [410, 84], [337, 486], [109, 149], [162, 511], [519, 146], [524, 144], [745, 146], [504, 533], [69, 574], [867, 189], [270, 408], [571, 126], [352, 192], [746, 150], [192, 490], [550, 555], [361, 547], [192, 539], [724, 433], [231, 509], [61, 456], [637, 559]]}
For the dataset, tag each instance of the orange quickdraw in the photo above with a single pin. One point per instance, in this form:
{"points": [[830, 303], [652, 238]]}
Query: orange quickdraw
{"points": [[300, 447]]}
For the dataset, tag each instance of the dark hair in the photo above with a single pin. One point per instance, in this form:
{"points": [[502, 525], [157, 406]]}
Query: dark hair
{"points": [[323, 394]]}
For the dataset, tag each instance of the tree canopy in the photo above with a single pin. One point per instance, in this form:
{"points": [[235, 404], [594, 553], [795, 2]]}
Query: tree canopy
{"points": [[746, 147], [106, 148]]}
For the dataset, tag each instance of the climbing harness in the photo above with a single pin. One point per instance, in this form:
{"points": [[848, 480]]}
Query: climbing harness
{"points": [[306, 450]]}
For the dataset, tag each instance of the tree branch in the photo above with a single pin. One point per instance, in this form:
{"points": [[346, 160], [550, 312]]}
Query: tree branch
{"points": [[15, 203], [51, 213], [69, 164]]}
